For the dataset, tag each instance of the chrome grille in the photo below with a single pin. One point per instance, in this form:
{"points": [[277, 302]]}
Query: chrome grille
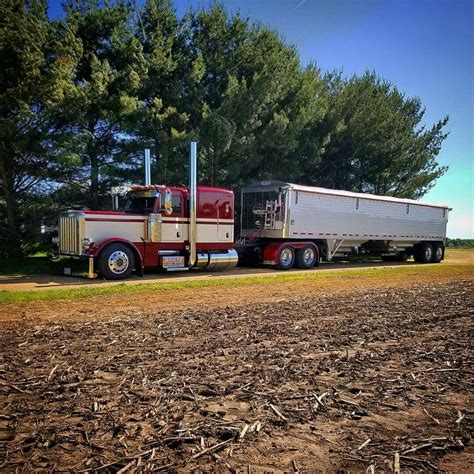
{"points": [[70, 233]]}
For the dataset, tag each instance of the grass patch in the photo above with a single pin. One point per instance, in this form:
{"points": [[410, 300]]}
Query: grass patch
{"points": [[339, 276], [26, 266]]}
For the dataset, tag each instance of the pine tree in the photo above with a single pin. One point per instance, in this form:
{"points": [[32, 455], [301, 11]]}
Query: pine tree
{"points": [[255, 105], [161, 121], [107, 77], [377, 141], [37, 58]]}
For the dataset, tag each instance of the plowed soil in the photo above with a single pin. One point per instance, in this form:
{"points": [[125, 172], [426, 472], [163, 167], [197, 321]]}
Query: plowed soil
{"points": [[365, 379]]}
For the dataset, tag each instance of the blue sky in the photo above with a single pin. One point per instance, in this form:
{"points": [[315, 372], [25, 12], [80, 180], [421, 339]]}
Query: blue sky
{"points": [[425, 47]]}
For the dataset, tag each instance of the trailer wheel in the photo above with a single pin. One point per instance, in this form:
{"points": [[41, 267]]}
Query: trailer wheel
{"points": [[286, 258], [438, 253], [424, 253], [306, 257], [116, 262]]}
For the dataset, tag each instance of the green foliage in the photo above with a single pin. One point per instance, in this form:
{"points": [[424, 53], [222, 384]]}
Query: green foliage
{"points": [[377, 143], [460, 243], [81, 96], [259, 101], [37, 57], [107, 79], [161, 119]]}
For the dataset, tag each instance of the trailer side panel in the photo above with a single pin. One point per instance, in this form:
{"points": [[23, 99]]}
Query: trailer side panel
{"points": [[343, 217]]}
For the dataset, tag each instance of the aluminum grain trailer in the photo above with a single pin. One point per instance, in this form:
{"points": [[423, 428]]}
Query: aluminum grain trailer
{"points": [[285, 225]]}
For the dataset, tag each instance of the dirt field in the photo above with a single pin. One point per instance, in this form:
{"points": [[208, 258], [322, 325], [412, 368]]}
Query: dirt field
{"points": [[303, 377]]}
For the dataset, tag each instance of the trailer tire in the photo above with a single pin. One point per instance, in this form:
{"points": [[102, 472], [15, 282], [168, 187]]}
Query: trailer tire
{"points": [[438, 253], [286, 258], [116, 262], [424, 253], [306, 257]]}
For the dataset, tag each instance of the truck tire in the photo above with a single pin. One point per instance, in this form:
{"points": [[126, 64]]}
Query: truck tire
{"points": [[286, 258], [306, 257], [438, 253], [424, 253], [116, 262]]}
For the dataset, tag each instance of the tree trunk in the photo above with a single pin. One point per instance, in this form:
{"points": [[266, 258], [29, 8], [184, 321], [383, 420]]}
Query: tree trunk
{"points": [[12, 234], [94, 168], [159, 166], [94, 189]]}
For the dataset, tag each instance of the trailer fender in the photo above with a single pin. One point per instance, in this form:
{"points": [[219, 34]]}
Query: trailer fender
{"points": [[271, 250], [97, 247]]}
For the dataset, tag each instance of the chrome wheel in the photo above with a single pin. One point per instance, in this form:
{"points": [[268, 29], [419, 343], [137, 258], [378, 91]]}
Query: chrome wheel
{"points": [[439, 254], [308, 256], [118, 262], [286, 257]]}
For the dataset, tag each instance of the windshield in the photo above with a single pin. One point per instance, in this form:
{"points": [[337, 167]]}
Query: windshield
{"points": [[141, 202]]}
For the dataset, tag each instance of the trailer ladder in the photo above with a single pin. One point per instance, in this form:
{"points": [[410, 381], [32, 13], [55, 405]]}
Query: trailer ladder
{"points": [[272, 208]]}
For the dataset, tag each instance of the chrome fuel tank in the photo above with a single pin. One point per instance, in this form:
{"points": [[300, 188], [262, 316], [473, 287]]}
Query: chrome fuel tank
{"points": [[217, 261]]}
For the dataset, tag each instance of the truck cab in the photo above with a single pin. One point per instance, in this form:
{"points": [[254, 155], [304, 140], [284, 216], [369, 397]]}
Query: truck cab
{"points": [[153, 230]]}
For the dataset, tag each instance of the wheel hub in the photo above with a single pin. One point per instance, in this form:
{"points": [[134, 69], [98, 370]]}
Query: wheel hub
{"points": [[286, 256], [308, 256], [118, 262], [428, 253]]}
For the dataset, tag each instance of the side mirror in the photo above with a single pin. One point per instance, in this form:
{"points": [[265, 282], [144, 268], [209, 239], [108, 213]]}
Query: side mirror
{"points": [[168, 202]]}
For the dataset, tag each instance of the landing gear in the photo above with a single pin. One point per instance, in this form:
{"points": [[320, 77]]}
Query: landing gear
{"points": [[399, 257]]}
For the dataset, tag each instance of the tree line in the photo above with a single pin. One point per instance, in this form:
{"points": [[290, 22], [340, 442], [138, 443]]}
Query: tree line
{"points": [[81, 95]]}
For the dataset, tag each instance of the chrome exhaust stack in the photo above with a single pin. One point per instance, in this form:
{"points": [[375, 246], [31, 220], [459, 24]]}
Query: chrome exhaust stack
{"points": [[192, 202], [147, 167], [209, 260]]}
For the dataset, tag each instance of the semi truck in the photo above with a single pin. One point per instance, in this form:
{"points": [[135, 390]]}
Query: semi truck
{"points": [[279, 224]]}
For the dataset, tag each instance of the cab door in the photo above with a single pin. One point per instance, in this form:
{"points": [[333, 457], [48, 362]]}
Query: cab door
{"points": [[225, 223], [173, 225]]}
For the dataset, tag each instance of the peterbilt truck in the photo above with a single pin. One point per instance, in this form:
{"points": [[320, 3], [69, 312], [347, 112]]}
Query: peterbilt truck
{"points": [[282, 225]]}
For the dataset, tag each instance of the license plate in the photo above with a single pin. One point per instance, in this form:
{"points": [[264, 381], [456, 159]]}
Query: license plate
{"points": [[172, 262]]}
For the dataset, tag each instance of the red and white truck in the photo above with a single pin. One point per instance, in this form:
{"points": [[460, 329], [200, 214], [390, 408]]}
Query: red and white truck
{"points": [[281, 225]]}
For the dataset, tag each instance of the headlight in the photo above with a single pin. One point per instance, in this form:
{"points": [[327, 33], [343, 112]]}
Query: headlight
{"points": [[86, 243], [55, 240]]}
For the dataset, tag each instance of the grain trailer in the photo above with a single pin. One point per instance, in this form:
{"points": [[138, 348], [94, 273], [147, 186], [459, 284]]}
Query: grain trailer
{"points": [[285, 224]]}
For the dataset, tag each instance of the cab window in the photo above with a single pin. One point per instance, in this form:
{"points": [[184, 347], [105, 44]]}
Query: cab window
{"points": [[176, 204]]}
